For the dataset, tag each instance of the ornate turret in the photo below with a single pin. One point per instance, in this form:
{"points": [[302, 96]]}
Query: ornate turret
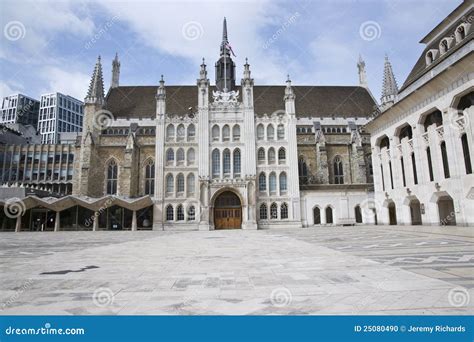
{"points": [[225, 67], [289, 97], [95, 94], [115, 72], [389, 87], [161, 98], [362, 73]]}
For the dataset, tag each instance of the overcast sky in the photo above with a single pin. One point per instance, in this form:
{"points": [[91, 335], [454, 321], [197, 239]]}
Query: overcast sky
{"points": [[53, 45]]}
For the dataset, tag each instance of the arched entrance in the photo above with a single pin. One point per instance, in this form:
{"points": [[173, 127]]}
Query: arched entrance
{"points": [[227, 211], [447, 215], [415, 212], [392, 213]]}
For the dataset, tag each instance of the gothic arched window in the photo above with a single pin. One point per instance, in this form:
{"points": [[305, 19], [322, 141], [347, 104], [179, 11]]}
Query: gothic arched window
{"points": [[270, 132], [191, 213], [338, 171], [180, 183], [180, 156], [226, 161], [169, 213], [226, 133], [215, 133], [262, 182], [302, 170], [180, 213], [260, 132], [237, 165], [281, 132], [272, 182], [216, 163], [261, 155], [271, 155], [284, 211], [263, 212], [170, 132], [281, 155], [112, 176], [236, 133], [181, 132], [191, 132], [150, 177], [274, 211], [283, 183], [169, 184], [169, 156], [191, 156]]}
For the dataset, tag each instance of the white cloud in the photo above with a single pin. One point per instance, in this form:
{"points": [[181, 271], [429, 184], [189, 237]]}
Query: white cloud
{"points": [[74, 83], [6, 90]]}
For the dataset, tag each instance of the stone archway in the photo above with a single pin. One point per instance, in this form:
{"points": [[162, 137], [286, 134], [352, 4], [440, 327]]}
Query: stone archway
{"points": [[227, 211]]}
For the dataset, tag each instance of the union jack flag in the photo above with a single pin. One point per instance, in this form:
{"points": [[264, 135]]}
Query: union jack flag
{"points": [[228, 47]]}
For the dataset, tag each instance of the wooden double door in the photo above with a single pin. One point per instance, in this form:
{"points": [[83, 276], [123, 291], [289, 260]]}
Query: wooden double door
{"points": [[227, 218]]}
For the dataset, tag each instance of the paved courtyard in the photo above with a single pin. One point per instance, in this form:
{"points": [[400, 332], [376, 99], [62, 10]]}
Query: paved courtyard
{"points": [[332, 270]]}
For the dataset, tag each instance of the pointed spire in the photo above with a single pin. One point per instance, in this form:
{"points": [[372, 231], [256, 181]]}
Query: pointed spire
{"points": [[115, 72], [96, 88], [389, 87], [289, 93], [161, 92], [246, 69], [224, 31], [203, 72], [362, 73]]}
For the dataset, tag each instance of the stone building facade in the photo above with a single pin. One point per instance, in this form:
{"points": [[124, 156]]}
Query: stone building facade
{"points": [[422, 142]]}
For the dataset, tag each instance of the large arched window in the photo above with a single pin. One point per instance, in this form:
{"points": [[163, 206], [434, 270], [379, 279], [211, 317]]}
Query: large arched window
{"points": [[434, 118], [180, 183], [169, 184], [191, 132], [317, 215], [271, 155], [237, 165], [302, 170], [169, 213], [225, 133], [272, 183], [180, 213], [273, 211], [226, 162], [281, 132], [190, 186], [444, 156], [338, 170], [215, 133], [181, 132], [170, 132], [236, 133], [284, 211], [283, 183], [216, 163], [169, 156], [260, 132], [329, 218], [281, 155], [150, 177], [191, 156], [191, 213], [261, 155], [112, 176], [467, 156], [262, 182], [263, 212], [270, 132], [180, 156], [358, 214]]}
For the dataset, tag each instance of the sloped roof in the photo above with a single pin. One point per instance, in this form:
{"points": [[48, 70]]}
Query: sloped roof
{"points": [[311, 101]]}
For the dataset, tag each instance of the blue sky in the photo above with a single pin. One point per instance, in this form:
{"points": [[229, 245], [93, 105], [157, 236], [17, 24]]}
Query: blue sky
{"points": [[52, 45]]}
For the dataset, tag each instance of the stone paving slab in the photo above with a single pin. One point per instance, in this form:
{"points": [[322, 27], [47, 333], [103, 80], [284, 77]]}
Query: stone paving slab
{"points": [[237, 272]]}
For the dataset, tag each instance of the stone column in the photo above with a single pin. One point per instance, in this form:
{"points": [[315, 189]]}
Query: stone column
{"points": [[134, 220], [18, 224], [56, 222], [95, 224]]}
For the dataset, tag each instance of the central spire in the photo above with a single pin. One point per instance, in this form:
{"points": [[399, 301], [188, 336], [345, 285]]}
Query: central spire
{"points": [[225, 66]]}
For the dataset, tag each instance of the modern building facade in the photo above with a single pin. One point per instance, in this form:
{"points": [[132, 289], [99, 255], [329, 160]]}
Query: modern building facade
{"points": [[19, 109], [59, 113], [422, 142]]}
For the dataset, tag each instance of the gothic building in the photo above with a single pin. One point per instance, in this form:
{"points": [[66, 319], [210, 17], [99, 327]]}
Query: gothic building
{"points": [[216, 156]]}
